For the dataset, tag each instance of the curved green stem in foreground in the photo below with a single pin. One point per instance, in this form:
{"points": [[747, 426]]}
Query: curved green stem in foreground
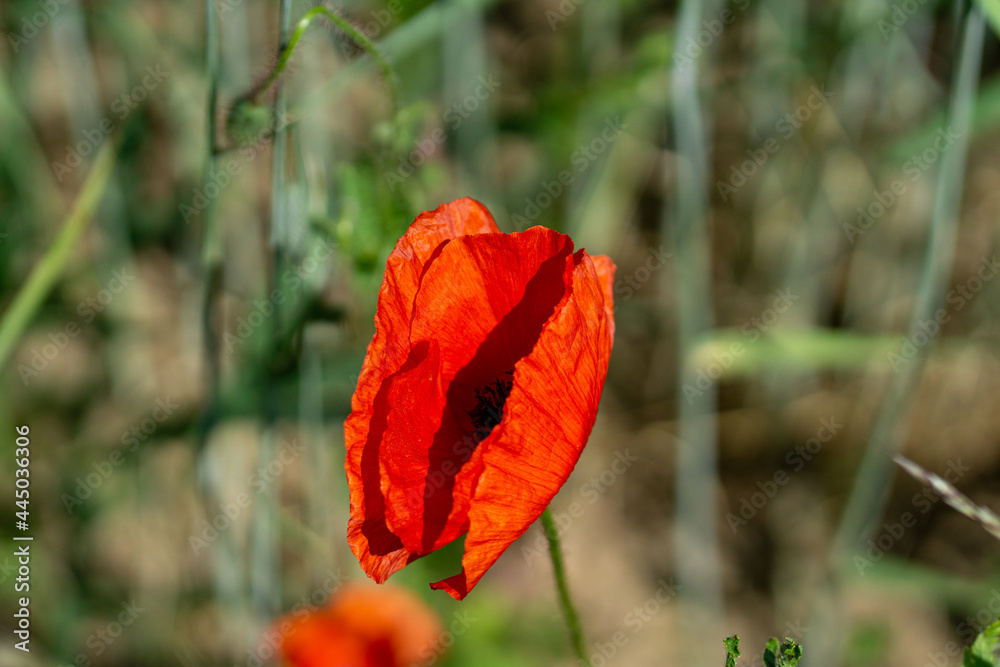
{"points": [[569, 611], [359, 38]]}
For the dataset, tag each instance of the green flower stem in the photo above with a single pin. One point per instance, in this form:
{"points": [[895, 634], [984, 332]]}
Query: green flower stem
{"points": [[47, 271], [572, 619], [360, 38]]}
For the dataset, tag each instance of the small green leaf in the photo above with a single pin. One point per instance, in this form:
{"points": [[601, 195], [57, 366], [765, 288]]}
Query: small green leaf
{"points": [[785, 655], [732, 644], [771, 652], [985, 651]]}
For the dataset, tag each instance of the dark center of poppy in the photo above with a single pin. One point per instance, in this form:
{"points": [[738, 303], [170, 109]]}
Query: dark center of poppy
{"points": [[489, 405]]}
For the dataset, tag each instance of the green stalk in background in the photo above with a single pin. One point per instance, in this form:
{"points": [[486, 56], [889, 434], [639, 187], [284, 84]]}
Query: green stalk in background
{"points": [[686, 221], [47, 271], [227, 567], [869, 493], [264, 567]]}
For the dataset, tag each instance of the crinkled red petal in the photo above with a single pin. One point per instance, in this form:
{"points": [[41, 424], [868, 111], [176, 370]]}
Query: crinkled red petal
{"points": [[547, 420], [455, 315], [482, 305], [377, 549]]}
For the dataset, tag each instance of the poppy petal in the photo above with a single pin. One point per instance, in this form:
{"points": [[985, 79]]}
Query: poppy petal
{"points": [[605, 270], [378, 550], [483, 303], [478, 391], [362, 626], [547, 420]]}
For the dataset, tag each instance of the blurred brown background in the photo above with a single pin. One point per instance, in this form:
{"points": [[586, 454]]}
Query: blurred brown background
{"points": [[802, 201]]}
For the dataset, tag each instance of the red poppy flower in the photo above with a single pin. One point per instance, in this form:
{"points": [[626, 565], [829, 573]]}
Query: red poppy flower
{"points": [[478, 391], [363, 626]]}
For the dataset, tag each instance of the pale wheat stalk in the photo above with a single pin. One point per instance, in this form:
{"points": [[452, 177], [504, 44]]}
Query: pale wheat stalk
{"points": [[959, 501]]}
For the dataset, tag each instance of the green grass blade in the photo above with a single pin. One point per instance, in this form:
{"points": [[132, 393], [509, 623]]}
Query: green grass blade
{"points": [[47, 271]]}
